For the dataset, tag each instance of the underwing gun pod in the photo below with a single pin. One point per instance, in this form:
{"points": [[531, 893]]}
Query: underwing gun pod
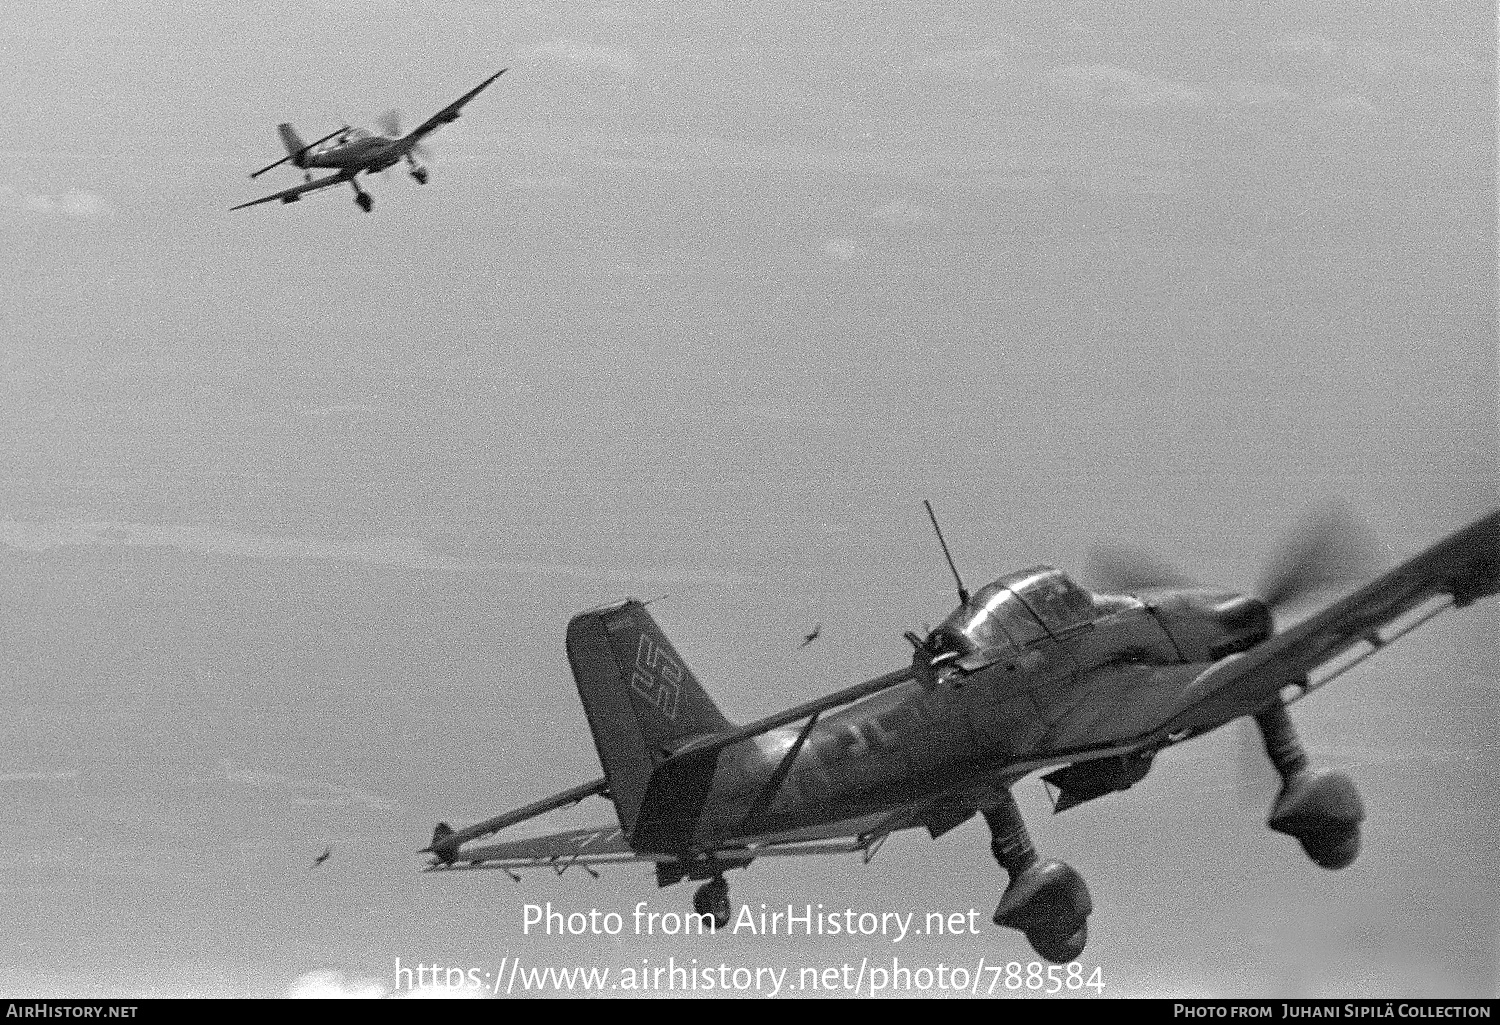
{"points": [[1030, 672]]}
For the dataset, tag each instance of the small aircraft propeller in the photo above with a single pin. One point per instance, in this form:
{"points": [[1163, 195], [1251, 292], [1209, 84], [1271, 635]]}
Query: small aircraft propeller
{"points": [[1328, 549], [389, 124], [1124, 570]]}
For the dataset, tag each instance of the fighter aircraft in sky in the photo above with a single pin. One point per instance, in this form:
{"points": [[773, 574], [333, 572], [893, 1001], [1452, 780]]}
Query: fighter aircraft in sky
{"points": [[1032, 671], [350, 151]]}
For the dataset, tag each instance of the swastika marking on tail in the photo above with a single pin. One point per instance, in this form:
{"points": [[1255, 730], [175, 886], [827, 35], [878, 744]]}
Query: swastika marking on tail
{"points": [[657, 677]]}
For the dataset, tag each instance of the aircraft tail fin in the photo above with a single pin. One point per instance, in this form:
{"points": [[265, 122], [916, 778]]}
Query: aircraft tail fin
{"points": [[643, 703], [295, 147]]}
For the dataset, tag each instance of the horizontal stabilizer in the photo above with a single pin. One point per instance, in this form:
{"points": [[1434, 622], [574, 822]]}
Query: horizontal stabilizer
{"points": [[446, 842], [296, 150]]}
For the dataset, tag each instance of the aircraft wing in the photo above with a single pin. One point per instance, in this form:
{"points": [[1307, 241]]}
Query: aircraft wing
{"points": [[296, 192], [1458, 570], [449, 113]]}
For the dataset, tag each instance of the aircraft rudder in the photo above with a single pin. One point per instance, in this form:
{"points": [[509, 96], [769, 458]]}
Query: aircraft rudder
{"points": [[292, 141], [670, 704], [641, 699]]}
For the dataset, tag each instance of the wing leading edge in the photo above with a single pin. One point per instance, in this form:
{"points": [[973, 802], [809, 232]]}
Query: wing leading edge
{"points": [[448, 114], [296, 192], [1460, 569]]}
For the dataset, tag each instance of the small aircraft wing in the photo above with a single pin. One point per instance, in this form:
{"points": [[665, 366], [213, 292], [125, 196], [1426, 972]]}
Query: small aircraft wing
{"points": [[449, 113], [296, 192], [1458, 570]]}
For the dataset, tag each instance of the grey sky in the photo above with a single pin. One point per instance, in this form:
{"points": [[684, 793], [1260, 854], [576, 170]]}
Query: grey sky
{"points": [[298, 501]]}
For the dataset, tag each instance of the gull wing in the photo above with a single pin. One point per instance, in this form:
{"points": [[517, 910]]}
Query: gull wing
{"points": [[449, 113], [1462, 568], [296, 192]]}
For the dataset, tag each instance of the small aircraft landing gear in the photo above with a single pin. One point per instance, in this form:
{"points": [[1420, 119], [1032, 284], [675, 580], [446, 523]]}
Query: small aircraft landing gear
{"points": [[418, 172], [1048, 901], [1322, 810], [364, 201], [712, 899]]}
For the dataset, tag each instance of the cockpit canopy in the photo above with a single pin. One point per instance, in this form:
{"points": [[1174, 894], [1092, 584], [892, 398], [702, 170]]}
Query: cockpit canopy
{"points": [[1015, 611], [345, 137]]}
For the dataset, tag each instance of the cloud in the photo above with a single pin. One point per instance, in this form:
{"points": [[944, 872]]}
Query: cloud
{"points": [[1308, 44], [1364, 64], [982, 64], [1351, 104], [303, 791], [1256, 94], [407, 553], [545, 183], [38, 777], [842, 249], [902, 212], [1120, 88], [615, 59], [75, 204], [331, 985]]}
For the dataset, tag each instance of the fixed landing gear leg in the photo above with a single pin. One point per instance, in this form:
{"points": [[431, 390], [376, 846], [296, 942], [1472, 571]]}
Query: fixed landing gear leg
{"points": [[1322, 810], [1048, 901], [362, 199]]}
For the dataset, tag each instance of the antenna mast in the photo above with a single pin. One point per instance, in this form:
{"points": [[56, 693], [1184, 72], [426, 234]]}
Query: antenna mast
{"points": [[963, 592]]}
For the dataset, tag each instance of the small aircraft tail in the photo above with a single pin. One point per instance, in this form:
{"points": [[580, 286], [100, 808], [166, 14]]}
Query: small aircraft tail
{"points": [[642, 703], [295, 147]]}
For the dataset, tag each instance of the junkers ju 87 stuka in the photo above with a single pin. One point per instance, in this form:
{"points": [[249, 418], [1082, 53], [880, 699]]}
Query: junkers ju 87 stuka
{"points": [[1031, 672]]}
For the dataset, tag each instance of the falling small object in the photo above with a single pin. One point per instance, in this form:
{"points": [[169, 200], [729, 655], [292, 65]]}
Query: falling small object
{"points": [[816, 631], [327, 853]]}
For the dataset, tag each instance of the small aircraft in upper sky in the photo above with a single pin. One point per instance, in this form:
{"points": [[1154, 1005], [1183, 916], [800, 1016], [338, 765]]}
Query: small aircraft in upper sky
{"points": [[351, 151], [817, 631], [327, 853], [1030, 672]]}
